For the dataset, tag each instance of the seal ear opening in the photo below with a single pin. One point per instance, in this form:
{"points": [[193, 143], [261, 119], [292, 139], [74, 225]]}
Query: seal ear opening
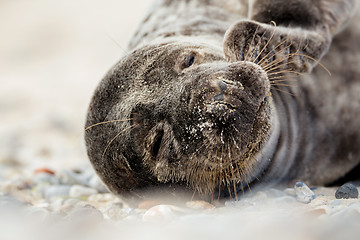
{"points": [[157, 143]]}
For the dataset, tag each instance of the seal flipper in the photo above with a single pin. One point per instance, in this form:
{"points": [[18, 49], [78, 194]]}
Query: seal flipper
{"points": [[303, 36], [307, 14], [272, 47]]}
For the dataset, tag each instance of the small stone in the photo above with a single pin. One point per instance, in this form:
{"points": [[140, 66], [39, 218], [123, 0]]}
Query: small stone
{"points": [[147, 204], [284, 200], [64, 205], [8, 203], [117, 212], [319, 201], [85, 214], [199, 205], [355, 205], [348, 214], [96, 183], [56, 205], [316, 212], [290, 192], [274, 193], [346, 191], [335, 203], [80, 191], [44, 170], [159, 213], [45, 178], [38, 213], [103, 198], [303, 193], [243, 203], [68, 177], [258, 197], [56, 191]]}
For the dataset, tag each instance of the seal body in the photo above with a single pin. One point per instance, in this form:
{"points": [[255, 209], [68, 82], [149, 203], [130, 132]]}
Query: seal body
{"points": [[218, 96]]}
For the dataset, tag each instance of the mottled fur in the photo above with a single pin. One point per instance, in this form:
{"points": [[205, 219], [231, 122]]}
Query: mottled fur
{"points": [[205, 101]]}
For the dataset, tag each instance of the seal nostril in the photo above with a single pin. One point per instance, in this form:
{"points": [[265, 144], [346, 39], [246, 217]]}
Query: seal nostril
{"points": [[157, 143], [219, 97], [222, 85]]}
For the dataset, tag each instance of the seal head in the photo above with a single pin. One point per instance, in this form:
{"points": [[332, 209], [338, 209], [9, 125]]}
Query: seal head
{"points": [[179, 114]]}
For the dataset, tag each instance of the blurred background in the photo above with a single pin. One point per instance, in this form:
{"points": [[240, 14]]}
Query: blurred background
{"points": [[53, 53]]}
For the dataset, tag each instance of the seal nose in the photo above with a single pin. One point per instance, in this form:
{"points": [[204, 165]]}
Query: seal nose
{"points": [[222, 85], [253, 79], [243, 82], [219, 97]]}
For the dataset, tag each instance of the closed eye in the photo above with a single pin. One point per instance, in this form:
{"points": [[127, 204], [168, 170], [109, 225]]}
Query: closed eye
{"points": [[157, 143], [188, 61]]}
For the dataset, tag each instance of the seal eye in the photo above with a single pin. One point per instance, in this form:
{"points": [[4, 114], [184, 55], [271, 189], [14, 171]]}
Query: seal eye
{"points": [[189, 60], [157, 143]]}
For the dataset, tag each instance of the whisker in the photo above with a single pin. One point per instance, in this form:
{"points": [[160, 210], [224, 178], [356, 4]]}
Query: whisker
{"points": [[234, 183], [116, 43], [277, 89], [252, 40], [268, 42], [247, 183], [318, 62], [285, 85], [286, 71], [255, 47], [193, 195], [278, 60], [283, 80], [269, 69], [110, 121], [241, 181], [220, 179], [117, 135], [265, 57]]}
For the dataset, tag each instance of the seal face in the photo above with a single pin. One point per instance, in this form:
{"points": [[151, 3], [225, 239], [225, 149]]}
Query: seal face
{"points": [[182, 113], [193, 117]]}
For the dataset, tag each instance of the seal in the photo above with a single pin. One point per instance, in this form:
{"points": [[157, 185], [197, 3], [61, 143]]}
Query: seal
{"points": [[215, 97]]}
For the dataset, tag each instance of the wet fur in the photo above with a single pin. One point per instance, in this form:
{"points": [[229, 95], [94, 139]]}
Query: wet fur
{"points": [[213, 127]]}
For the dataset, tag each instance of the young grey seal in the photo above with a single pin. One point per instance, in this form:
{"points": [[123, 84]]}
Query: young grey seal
{"points": [[216, 96]]}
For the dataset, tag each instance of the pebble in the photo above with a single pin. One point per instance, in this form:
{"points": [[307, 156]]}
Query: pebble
{"points": [[44, 177], [290, 192], [200, 205], [96, 183], [149, 203], [56, 191], [81, 191], [68, 177], [284, 200], [319, 201], [37, 213], [347, 214], [85, 204], [303, 193], [44, 170], [274, 193], [117, 212], [85, 214], [346, 191], [104, 197], [159, 213]]}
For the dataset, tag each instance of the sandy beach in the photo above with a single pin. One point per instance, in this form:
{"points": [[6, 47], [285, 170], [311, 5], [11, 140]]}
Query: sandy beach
{"points": [[53, 53]]}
